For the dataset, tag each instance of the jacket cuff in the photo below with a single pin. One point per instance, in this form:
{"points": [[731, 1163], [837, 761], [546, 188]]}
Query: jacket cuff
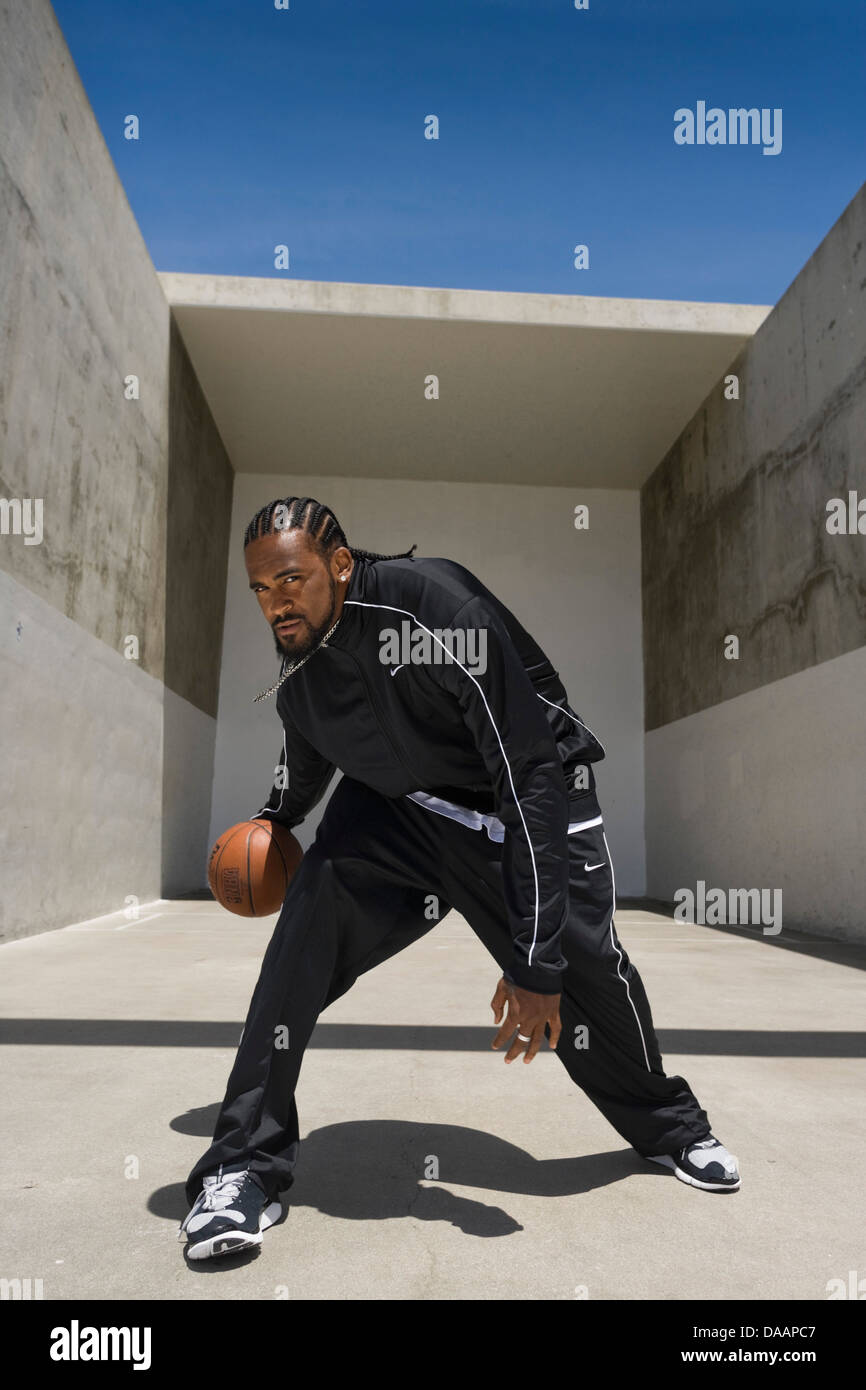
{"points": [[537, 979]]}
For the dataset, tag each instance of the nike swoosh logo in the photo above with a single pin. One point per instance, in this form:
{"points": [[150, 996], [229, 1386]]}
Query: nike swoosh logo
{"points": [[589, 867], [397, 668]]}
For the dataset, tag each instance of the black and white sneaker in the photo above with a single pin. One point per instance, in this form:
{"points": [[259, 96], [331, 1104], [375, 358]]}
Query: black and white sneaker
{"points": [[706, 1164], [228, 1215]]}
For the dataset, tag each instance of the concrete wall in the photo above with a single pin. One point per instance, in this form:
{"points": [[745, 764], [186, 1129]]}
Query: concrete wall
{"points": [[756, 767], [197, 524], [93, 810], [577, 592]]}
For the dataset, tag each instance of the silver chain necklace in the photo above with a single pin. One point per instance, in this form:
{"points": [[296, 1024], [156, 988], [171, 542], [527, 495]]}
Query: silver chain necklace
{"points": [[284, 673]]}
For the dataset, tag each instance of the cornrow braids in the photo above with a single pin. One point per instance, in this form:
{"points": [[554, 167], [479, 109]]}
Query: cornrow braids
{"points": [[320, 523]]}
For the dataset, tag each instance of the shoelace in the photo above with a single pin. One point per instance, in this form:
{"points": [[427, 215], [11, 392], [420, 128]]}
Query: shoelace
{"points": [[220, 1192]]}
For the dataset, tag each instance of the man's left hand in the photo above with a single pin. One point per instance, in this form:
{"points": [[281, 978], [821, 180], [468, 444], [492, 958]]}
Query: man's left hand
{"points": [[528, 1014]]}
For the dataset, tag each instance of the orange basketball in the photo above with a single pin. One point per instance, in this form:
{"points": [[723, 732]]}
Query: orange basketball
{"points": [[251, 866]]}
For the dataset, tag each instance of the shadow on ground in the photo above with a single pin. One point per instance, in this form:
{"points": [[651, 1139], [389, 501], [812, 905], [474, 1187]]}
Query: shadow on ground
{"points": [[373, 1170], [180, 1032]]}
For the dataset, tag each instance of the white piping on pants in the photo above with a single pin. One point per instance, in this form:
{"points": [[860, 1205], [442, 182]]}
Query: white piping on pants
{"points": [[619, 952]]}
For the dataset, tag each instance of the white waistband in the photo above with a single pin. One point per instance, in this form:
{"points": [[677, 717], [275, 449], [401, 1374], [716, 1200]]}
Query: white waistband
{"points": [[476, 819]]}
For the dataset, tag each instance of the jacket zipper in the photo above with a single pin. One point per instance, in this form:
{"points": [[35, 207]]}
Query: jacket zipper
{"points": [[396, 747]]}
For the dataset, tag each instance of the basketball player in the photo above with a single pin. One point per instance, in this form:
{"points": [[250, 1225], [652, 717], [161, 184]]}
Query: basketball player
{"points": [[466, 776]]}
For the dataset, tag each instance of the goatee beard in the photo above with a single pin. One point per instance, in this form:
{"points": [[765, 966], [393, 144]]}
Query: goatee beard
{"points": [[302, 646]]}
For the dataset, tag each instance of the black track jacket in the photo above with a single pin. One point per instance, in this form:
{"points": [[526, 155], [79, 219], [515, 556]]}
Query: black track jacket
{"points": [[492, 732]]}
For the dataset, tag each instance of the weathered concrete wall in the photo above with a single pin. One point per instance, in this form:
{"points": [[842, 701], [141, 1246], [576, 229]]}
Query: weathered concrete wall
{"points": [[196, 537], [81, 309], [127, 487], [197, 523], [756, 767], [733, 519]]}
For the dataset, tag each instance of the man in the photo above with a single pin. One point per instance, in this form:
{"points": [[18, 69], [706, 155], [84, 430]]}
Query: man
{"points": [[467, 783]]}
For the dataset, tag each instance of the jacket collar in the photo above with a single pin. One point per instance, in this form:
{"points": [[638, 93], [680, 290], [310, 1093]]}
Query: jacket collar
{"points": [[348, 632]]}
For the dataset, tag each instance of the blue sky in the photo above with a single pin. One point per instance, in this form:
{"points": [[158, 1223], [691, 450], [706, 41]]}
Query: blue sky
{"points": [[306, 127]]}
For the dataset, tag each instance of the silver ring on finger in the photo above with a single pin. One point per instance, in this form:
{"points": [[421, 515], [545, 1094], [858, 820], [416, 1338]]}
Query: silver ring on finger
{"points": [[523, 1039]]}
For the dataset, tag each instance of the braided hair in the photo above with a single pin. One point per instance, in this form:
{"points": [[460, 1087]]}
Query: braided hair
{"points": [[319, 522]]}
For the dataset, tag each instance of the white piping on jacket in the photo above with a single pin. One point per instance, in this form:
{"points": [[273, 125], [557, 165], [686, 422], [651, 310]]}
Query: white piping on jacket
{"points": [[573, 716], [388, 607], [275, 810]]}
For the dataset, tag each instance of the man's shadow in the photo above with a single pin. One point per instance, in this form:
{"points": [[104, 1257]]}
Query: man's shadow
{"points": [[379, 1170]]}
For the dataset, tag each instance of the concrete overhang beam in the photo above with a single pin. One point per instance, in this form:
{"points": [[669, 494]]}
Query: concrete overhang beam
{"points": [[308, 376]]}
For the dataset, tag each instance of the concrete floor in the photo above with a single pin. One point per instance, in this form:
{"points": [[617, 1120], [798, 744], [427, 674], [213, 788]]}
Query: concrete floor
{"points": [[119, 1038]]}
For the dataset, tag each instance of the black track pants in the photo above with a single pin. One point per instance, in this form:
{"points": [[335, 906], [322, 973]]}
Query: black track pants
{"points": [[363, 893]]}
